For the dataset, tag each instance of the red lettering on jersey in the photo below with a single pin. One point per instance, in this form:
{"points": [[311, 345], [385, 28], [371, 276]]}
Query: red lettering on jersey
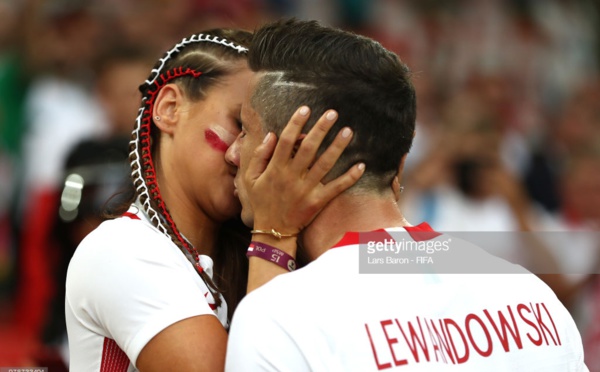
{"points": [[436, 346], [542, 326], [459, 359], [520, 308], [391, 341], [443, 341], [468, 322], [514, 330], [552, 321], [446, 335], [379, 366], [414, 337]]}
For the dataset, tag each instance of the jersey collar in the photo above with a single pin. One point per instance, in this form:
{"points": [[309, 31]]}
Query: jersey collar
{"points": [[420, 232]]}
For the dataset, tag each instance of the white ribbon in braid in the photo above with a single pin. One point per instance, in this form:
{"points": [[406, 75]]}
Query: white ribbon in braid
{"points": [[192, 39], [136, 166]]}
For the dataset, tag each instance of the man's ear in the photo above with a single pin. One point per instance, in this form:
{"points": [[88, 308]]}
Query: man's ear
{"points": [[396, 182], [165, 112]]}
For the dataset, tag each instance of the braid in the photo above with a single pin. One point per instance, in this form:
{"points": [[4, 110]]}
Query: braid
{"points": [[148, 189], [156, 72], [140, 156]]}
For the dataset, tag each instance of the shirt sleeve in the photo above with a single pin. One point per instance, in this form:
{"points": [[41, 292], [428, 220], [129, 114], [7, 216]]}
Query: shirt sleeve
{"points": [[130, 287]]}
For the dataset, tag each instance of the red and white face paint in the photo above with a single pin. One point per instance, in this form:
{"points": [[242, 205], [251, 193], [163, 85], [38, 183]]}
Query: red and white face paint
{"points": [[219, 138]]}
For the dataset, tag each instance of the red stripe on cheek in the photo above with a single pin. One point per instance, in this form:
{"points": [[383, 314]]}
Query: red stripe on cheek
{"points": [[215, 141]]}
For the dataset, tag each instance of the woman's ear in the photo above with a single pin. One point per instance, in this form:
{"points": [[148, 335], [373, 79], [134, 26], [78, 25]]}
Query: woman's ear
{"points": [[165, 113]]}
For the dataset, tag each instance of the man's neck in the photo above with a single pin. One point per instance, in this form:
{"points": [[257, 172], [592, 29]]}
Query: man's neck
{"points": [[350, 213]]}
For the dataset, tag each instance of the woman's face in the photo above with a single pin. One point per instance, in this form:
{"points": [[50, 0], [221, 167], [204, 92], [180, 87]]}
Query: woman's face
{"points": [[205, 131]]}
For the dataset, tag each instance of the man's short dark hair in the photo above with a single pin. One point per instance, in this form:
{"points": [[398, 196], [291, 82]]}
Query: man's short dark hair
{"points": [[305, 63]]}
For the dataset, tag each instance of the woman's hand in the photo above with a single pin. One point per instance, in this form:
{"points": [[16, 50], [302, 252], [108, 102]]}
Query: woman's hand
{"points": [[284, 187], [284, 178]]}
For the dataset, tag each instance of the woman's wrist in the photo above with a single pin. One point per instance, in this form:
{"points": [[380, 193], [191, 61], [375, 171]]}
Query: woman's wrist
{"points": [[288, 245], [271, 254], [261, 270], [273, 232]]}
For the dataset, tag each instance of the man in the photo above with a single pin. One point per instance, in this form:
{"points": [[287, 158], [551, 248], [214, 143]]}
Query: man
{"points": [[328, 316]]}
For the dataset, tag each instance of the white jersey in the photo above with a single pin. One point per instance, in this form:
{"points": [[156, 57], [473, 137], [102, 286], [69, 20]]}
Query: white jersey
{"points": [[329, 317], [127, 282]]}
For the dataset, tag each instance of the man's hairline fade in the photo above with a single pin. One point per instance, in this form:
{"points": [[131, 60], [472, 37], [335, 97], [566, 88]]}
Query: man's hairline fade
{"points": [[276, 43], [257, 99], [259, 106]]}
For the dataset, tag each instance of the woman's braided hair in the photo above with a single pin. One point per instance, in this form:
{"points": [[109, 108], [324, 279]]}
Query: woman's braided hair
{"points": [[196, 63]]}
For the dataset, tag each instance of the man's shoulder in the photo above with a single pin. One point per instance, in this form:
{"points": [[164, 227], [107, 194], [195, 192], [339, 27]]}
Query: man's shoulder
{"points": [[282, 287], [281, 296]]}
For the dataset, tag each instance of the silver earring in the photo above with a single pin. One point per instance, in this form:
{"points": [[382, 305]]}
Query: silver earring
{"points": [[157, 118]]}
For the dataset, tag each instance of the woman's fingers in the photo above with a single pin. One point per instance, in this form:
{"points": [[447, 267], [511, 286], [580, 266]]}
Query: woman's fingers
{"points": [[298, 151], [330, 156], [342, 183], [286, 189], [289, 136], [261, 157], [308, 148]]}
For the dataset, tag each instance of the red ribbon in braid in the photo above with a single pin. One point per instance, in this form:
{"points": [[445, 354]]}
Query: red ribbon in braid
{"points": [[150, 173]]}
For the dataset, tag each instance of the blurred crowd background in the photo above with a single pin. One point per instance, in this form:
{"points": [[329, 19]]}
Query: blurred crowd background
{"points": [[508, 130]]}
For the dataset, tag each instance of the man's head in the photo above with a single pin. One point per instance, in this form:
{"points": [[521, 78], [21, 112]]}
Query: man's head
{"points": [[303, 63]]}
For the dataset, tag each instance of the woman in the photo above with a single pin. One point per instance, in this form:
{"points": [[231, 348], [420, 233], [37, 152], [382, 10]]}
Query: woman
{"points": [[141, 288], [133, 299]]}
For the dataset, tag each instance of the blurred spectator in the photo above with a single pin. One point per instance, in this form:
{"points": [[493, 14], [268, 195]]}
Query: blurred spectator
{"points": [[151, 24], [469, 181], [574, 126], [19, 58], [61, 108], [17, 61], [118, 75], [60, 111], [571, 30], [13, 85], [464, 184], [577, 250]]}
